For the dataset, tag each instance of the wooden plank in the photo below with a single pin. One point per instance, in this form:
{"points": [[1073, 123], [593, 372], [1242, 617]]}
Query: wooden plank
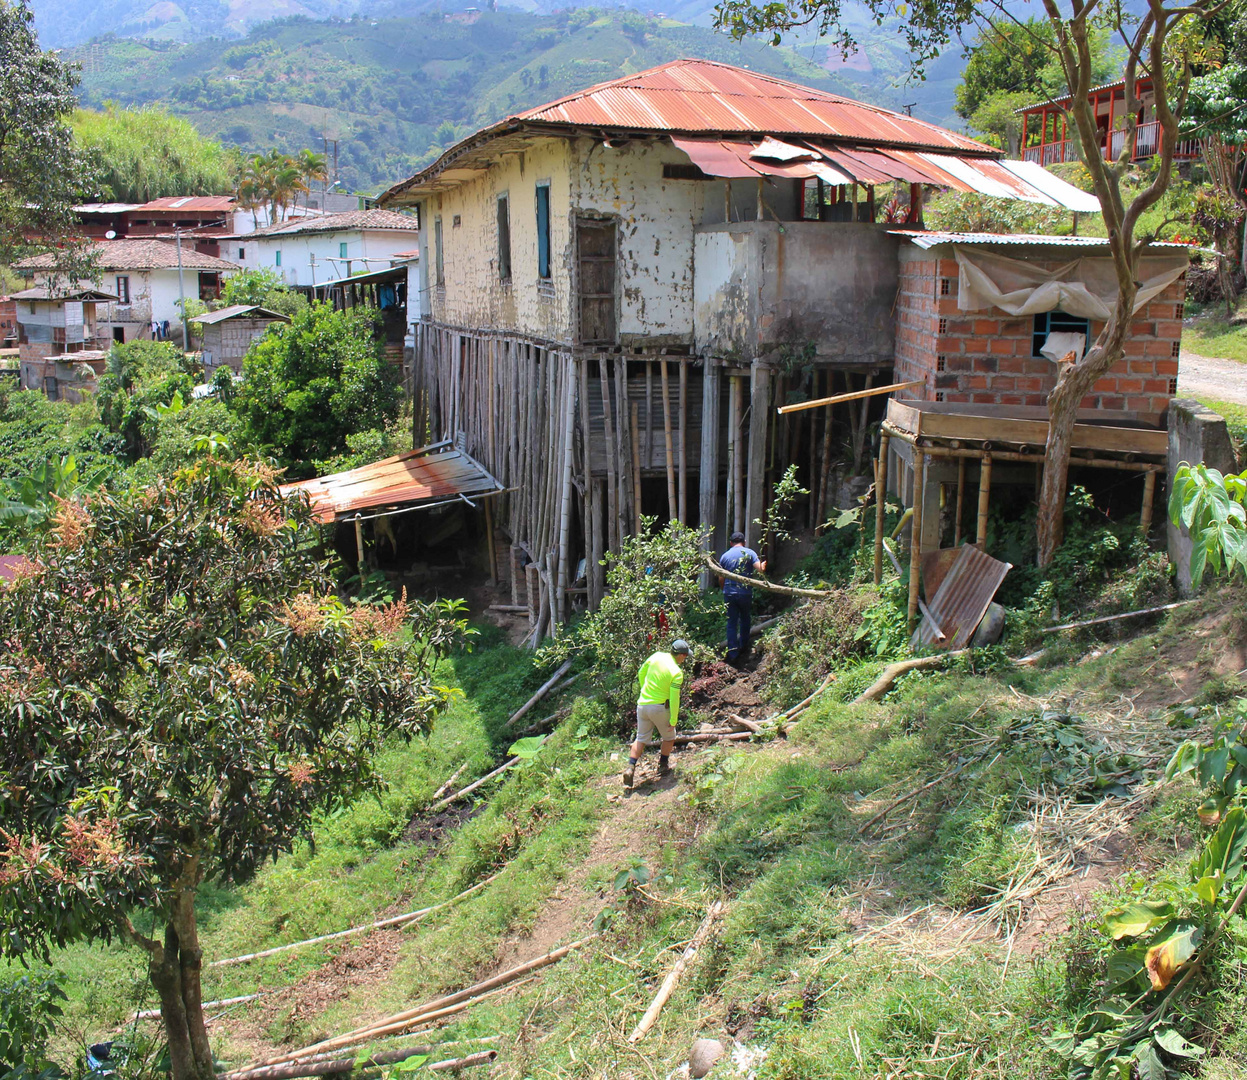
{"points": [[612, 456]]}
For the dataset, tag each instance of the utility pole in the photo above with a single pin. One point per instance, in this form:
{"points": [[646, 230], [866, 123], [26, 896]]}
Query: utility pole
{"points": [[186, 337]]}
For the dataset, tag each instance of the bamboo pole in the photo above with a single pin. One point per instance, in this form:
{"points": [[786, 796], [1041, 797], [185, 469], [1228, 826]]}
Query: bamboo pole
{"points": [[1149, 495], [565, 513], [915, 535], [612, 486], [563, 669], [985, 487], [759, 395], [489, 540], [881, 498], [1115, 618], [589, 497], [443, 803], [649, 414], [824, 475], [683, 442], [672, 506], [765, 586], [734, 505], [673, 977], [708, 465], [337, 1066], [636, 472], [359, 545], [854, 395], [961, 501], [627, 522]]}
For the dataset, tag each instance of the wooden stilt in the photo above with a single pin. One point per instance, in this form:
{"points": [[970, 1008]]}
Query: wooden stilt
{"points": [[881, 498], [673, 509], [649, 415], [629, 521], [915, 534], [708, 466], [490, 547], [359, 546], [636, 469], [612, 452], [1149, 496], [532, 587], [683, 442], [761, 206], [985, 487], [565, 511], [755, 495], [961, 500], [597, 571], [737, 441]]}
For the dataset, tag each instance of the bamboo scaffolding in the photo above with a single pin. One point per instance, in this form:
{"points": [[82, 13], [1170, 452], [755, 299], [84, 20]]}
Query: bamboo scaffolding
{"points": [[855, 395]]}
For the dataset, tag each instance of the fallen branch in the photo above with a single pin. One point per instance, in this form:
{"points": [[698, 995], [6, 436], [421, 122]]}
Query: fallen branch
{"points": [[748, 725], [443, 803], [455, 1064], [790, 715], [892, 672], [510, 609], [429, 1011], [711, 736], [350, 1064], [766, 586], [154, 1014], [673, 977], [394, 920], [563, 669], [449, 783], [1116, 618], [911, 795]]}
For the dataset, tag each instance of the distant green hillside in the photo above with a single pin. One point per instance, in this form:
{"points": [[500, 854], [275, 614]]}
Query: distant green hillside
{"points": [[395, 91]]}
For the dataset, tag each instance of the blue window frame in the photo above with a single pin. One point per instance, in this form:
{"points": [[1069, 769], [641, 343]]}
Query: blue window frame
{"points": [[277, 259], [342, 250], [1049, 322], [543, 230]]}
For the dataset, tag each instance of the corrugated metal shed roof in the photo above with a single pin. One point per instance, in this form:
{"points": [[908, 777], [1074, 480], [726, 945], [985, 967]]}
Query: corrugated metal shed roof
{"points": [[931, 239], [430, 475], [962, 598], [240, 311], [702, 95], [189, 204]]}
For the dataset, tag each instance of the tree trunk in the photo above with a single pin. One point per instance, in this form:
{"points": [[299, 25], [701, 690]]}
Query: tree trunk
{"points": [[166, 975], [190, 959]]}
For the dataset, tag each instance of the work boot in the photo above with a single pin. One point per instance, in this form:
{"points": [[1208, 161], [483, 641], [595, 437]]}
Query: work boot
{"points": [[664, 769], [628, 774]]}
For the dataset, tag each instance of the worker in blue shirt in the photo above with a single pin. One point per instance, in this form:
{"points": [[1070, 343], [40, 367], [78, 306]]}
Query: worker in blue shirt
{"points": [[738, 597]]}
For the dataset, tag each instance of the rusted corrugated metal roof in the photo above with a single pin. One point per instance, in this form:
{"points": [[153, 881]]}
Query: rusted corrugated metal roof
{"points": [[701, 95], [931, 239], [431, 474], [962, 598], [189, 203]]}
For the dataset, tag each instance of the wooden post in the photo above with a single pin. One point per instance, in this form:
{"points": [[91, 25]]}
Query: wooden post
{"points": [[881, 498], [672, 507], [489, 539], [532, 589], [636, 469], [597, 572], [612, 482], [589, 497], [359, 545], [733, 434], [915, 534], [708, 467], [565, 510], [859, 437], [755, 496], [628, 457], [1149, 495], [683, 442], [961, 500], [516, 572], [985, 487], [727, 201], [760, 203]]}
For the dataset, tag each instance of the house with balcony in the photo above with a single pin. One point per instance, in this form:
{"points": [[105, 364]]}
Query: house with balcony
{"points": [[1049, 138], [61, 341], [618, 287]]}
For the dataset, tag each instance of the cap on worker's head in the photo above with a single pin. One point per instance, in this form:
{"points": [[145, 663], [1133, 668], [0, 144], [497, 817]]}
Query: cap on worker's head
{"points": [[680, 646], [738, 538]]}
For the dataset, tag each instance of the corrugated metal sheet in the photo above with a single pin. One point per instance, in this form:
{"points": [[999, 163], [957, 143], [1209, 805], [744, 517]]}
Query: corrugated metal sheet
{"points": [[962, 598], [190, 203], [1050, 184], [701, 95], [431, 474], [931, 239]]}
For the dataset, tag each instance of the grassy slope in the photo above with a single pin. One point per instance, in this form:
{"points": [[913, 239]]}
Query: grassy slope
{"points": [[1211, 334], [776, 829]]}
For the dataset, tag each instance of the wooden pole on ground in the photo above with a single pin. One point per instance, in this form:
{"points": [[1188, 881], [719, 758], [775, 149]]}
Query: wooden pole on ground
{"points": [[985, 488], [673, 509], [915, 535], [881, 498], [673, 977], [563, 669]]}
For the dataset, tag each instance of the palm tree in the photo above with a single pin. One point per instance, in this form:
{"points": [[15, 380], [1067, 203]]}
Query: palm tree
{"points": [[312, 167]]}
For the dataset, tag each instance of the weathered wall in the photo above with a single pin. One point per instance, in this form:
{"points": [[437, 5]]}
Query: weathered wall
{"points": [[985, 356], [316, 259], [227, 343], [764, 286]]}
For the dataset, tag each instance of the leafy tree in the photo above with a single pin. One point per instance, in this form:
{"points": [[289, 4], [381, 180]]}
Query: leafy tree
{"points": [[264, 287], [312, 383], [147, 153], [1213, 509], [210, 693], [34, 431], [141, 376], [958, 211], [29, 1009], [42, 175], [1161, 43]]}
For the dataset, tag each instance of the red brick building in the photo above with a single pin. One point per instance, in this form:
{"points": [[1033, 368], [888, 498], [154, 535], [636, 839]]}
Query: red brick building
{"points": [[987, 356]]}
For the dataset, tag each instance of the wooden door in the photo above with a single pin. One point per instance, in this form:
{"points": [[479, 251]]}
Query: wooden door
{"points": [[595, 255]]}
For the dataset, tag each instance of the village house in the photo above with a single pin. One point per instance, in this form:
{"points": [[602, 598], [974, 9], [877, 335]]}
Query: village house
{"points": [[61, 341], [315, 250], [228, 333], [1048, 138], [148, 279], [623, 284]]}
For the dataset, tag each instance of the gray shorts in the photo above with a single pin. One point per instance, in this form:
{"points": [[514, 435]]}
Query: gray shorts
{"points": [[653, 717]]}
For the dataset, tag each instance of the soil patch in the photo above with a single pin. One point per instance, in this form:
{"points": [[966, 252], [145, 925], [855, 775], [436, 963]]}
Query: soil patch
{"points": [[720, 688], [432, 830]]}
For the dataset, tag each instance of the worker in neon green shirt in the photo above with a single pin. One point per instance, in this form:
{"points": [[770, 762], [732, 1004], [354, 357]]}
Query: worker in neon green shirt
{"points": [[658, 706]]}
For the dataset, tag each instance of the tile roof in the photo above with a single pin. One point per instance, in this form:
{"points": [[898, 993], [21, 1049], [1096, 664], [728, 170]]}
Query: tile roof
{"points": [[138, 255], [351, 220], [42, 292]]}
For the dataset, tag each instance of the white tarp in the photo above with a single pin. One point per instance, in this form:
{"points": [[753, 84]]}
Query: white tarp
{"points": [[1083, 287]]}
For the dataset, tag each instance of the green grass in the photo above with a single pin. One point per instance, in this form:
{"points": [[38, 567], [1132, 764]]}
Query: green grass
{"points": [[1211, 334]]}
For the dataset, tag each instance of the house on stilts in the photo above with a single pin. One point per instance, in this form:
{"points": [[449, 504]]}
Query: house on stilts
{"points": [[619, 287]]}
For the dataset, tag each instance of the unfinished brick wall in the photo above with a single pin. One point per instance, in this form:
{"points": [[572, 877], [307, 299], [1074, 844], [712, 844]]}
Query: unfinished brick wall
{"points": [[985, 357]]}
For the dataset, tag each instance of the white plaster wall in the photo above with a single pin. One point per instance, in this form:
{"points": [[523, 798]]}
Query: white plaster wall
{"points": [[655, 256], [369, 249]]}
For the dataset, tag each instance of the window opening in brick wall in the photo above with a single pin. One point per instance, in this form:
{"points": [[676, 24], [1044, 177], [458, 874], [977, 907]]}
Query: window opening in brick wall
{"points": [[1175, 350], [1173, 386], [939, 395], [123, 289], [940, 362], [1050, 322], [1179, 310], [943, 326], [504, 237], [946, 286]]}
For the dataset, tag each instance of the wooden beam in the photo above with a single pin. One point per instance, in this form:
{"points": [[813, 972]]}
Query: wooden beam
{"points": [[854, 395], [755, 496]]}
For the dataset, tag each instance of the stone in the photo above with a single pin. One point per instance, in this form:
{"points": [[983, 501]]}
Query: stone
{"points": [[991, 628], [704, 1054]]}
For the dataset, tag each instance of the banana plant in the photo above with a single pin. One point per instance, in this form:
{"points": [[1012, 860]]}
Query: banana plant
{"points": [[32, 498]]}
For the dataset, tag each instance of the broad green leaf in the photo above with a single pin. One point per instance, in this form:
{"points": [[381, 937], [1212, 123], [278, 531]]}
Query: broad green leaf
{"points": [[1176, 945], [1208, 888], [1175, 1044], [1135, 919], [1062, 1042], [1149, 1063], [1124, 965], [526, 748], [1225, 849]]}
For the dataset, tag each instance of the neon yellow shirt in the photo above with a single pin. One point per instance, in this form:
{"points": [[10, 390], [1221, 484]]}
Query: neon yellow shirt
{"points": [[660, 679]]}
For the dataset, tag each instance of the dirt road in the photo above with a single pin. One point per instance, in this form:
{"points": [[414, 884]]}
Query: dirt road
{"points": [[1206, 377]]}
